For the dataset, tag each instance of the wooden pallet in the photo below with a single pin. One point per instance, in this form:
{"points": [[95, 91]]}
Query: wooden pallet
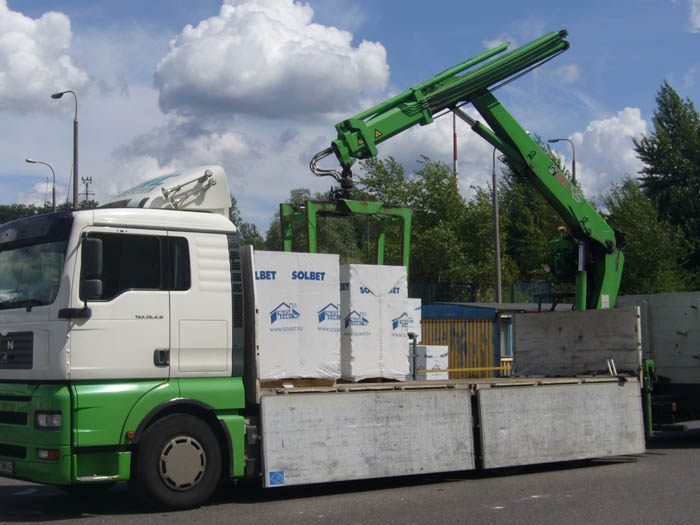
{"points": [[296, 382]]}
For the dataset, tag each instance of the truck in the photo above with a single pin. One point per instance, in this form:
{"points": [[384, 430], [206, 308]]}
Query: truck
{"points": [[130, 350], [670, 324]]}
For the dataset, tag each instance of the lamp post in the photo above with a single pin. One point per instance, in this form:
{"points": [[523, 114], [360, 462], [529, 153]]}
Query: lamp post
{"points": [[53, 174], [497, 232], [573, 158], [75, 144]]}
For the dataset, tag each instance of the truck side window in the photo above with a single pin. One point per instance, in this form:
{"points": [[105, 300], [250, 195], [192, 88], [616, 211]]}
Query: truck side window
{"points": [[130, 262], [179, 260]]}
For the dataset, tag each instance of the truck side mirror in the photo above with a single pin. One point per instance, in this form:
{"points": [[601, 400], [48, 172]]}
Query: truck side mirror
{"points": [[91, 269]]}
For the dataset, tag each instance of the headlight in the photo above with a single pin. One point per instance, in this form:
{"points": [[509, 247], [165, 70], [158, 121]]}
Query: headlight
{"points": [[48, 420]]}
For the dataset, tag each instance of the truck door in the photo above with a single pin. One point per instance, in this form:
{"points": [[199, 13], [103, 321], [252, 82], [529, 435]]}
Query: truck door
{"points": [[127, 334], [200, 305]]}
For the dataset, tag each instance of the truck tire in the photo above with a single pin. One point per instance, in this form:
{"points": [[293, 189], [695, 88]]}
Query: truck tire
{"points": [[177, 463]]}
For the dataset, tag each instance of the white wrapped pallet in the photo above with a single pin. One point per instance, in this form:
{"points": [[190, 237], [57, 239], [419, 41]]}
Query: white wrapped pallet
{"points": [[414, 310], [373, 303], [430, 357], [298, 302]]}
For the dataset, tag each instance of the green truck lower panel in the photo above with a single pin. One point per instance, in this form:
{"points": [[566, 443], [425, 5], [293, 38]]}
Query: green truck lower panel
{"points": [[21, 442], [99, 421]]}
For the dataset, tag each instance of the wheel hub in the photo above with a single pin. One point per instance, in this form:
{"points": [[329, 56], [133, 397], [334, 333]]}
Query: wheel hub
{"points": [[182, 463]]}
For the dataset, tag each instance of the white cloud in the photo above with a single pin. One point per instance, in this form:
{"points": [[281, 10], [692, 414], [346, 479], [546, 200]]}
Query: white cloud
{"points": [[269, 59], [436, 142], [568, 74], [40, 193], [690, 75], [605, 152], [33, 59], [694, 18], [262, 163]]}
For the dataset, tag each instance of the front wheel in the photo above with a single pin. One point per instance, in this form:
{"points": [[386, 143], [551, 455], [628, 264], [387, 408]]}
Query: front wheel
{"points": [[177, 463]]}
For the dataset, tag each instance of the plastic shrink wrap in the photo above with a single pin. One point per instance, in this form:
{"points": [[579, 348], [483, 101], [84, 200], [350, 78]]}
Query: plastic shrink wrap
{"points": [[297, 298], [431, 357], [414, 317], [374, 332]]}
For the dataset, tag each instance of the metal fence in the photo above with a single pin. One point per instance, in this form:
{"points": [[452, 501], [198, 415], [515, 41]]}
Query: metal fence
{"points": [[518, 292]]}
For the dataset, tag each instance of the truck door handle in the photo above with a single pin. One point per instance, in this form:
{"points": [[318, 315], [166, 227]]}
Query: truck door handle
{"points": [[161, 357]]}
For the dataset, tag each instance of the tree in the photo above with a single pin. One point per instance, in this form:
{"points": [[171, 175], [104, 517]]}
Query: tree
{"points": [[248, 231], [671, 173], [452, 239], [341, 235], [655, 251], [530, 222], [10, 212]]}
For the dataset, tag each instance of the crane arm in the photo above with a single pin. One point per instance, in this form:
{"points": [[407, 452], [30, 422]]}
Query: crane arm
{"points": [[590, 251], [359, 136]]}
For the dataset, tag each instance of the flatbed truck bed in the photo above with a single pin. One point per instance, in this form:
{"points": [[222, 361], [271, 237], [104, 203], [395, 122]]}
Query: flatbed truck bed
{"points": [[370, 430]]}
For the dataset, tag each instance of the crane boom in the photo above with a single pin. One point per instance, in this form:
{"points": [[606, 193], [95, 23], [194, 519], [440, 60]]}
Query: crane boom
{"points": [[590, 251]]}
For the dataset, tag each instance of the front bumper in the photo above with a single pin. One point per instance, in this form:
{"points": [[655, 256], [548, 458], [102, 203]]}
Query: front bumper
{"points": [[20, 441]]}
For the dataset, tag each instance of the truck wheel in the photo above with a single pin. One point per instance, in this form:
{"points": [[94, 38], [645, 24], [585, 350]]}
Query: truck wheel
{"points": [[177, 463]]}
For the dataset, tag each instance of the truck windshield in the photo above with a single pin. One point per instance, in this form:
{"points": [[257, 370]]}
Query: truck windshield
{"points": [[32, 253]]}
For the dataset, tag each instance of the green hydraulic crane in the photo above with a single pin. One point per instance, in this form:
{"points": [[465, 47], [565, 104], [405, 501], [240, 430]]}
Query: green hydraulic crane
{"points": [[589, 250]]}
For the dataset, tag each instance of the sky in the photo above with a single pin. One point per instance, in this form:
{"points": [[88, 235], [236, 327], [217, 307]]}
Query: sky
{"points": [[257, 86]]}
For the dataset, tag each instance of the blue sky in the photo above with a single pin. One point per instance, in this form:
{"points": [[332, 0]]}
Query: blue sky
{"points": [[257, 85]]}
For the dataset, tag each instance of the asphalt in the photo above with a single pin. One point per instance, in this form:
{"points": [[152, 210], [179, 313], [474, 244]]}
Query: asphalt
{"points": [[660, 486]]}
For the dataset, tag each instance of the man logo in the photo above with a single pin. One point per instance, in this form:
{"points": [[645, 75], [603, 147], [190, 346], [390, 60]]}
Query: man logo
{"points": [[9, 345]]}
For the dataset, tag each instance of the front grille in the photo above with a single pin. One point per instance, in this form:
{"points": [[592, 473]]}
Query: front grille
{"points": [[16, 351], [13, 451], [15, 398], [13, 418]]}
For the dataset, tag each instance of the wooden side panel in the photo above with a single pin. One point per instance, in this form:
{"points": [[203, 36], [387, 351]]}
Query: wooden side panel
{"points": [[577, 342], [470, 343]]}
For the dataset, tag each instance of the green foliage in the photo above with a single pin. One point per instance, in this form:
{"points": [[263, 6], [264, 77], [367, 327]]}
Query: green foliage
{"points": [[655, 250], [529, 222], [10, 212], [247, 230], [452, 240], [342, 235], [90, 204], [671, 175]]}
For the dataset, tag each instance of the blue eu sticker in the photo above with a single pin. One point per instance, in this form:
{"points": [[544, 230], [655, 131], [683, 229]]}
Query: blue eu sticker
{"points": [[277, 478]]}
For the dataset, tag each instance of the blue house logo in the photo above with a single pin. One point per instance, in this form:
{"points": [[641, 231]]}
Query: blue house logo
{"points": [[330, 312], [401, 321], [284, 312], [356, 319]]}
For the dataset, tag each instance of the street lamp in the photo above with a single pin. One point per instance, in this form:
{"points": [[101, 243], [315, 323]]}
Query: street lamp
{"points": [[75, 144], [497, 233], [573, 158], [53, 174]]}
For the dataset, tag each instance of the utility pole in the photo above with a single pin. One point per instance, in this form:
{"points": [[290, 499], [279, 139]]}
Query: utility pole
{"points": [[87, 192], [455, 155]]}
